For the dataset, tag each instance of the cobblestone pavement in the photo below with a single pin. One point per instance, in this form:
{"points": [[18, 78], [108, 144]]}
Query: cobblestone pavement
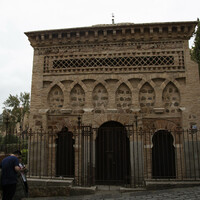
{"points": [[190, 193]]}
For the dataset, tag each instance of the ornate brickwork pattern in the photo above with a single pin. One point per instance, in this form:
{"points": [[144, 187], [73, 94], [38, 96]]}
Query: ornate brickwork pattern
{"points": [[134, 59], [123, 97], [77, 97], [147, 98], [112, 62], [55, 98], [100, 98], [171, 98], [123, 47]]}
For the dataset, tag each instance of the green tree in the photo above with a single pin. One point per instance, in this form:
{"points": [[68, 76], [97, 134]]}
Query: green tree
{"points": [[15, 107], [195, 51]]}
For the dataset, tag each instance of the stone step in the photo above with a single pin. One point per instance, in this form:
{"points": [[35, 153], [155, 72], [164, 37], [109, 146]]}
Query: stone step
{"points": [[50, 182], [49, 187], [166, 184]]}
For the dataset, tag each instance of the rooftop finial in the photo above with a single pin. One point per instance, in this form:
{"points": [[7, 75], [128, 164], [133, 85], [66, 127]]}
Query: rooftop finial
{"points": [[113, 18]]}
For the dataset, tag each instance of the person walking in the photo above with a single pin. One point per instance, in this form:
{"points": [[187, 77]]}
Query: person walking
{"points": [[22, 185], [10, 168]]}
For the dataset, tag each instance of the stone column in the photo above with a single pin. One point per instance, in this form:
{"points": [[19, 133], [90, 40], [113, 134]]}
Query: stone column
{"points": [[88, 102], [136, 158]]}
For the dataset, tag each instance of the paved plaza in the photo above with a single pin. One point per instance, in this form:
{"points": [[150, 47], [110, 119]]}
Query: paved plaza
{"points": [[190, 193]]}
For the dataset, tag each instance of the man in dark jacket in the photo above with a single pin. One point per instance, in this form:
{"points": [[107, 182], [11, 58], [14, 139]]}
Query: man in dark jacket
{"points": [[10, 167]]}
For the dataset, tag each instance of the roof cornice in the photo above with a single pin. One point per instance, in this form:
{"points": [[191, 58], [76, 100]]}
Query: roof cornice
{"points": [[112, 33]]}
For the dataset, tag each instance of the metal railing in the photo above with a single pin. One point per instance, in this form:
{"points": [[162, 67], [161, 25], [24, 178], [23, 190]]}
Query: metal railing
{"points": [[117, 155]]}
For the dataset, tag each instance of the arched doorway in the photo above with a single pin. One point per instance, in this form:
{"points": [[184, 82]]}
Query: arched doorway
{"points": [[65, 154], [163, 155], [112, 154]]}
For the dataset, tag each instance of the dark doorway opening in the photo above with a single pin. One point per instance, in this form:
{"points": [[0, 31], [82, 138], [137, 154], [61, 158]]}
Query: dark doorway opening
{"points": [[112, 154], [163, 155], [65, 154]]}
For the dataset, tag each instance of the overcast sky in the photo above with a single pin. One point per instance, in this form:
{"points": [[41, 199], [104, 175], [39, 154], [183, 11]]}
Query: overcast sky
{"points": [[19, 16]]}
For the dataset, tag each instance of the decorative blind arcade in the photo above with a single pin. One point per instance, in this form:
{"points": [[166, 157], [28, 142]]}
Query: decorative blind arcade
{"points": [[114, 62]]}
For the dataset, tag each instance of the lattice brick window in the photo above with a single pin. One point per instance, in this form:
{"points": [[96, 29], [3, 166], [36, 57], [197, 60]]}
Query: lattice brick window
{"points": [[55, 98], [114, 62], [147, 98], [100, 97], [171, 98], [77, 97], [123, 97]]}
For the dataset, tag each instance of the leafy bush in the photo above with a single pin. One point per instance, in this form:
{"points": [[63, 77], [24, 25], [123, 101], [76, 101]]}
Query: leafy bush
{"points": [[24, 156], [10, 139], [11, 143]]}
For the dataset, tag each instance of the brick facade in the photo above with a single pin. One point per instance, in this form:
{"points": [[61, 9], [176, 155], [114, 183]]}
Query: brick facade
{"points": [[113, 73]]}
